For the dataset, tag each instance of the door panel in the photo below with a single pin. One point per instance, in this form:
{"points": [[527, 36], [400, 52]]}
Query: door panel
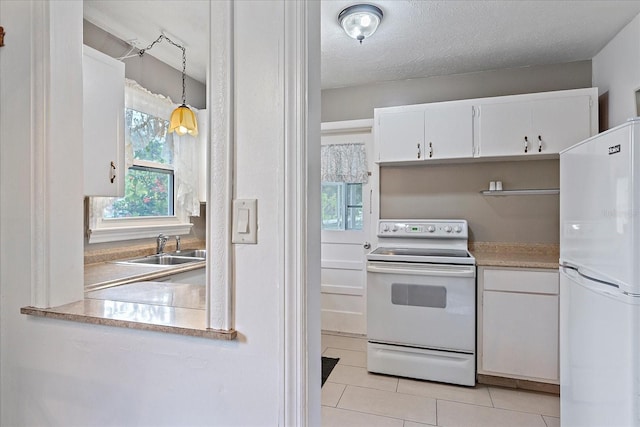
{"points": [[448, 132], [343, 256], [503, 128]]}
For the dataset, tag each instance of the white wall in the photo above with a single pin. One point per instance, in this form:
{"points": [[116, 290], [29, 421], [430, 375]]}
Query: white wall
{"points": [[616, 69], [66, 373]]}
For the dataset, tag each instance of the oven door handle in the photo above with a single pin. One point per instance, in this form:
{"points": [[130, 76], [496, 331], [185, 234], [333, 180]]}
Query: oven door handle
{"points": [[422, 270]]}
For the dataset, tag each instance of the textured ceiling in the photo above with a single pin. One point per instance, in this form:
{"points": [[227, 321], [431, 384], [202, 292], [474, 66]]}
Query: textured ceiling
{"points": [[417, 38]]}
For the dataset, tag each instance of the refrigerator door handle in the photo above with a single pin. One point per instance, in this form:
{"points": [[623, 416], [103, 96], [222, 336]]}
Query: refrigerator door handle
{"points": [[586, 276]]}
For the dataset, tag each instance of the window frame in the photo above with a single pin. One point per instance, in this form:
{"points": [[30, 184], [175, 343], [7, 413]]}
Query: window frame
{"points": [[101, 229]]}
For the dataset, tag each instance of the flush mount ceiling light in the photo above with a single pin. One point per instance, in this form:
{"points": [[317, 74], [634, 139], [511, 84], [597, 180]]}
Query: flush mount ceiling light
{"points": [[360, 20], [183, 120]]}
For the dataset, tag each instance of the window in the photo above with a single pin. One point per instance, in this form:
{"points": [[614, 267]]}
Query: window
{"points": [[341, 206], [343, 171], [161, 183], [149, 182]]}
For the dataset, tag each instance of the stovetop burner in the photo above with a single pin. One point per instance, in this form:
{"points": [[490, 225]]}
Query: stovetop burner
{"points": [[434, 241]]}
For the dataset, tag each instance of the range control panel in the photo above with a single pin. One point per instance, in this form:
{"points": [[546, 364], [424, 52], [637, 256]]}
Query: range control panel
{"points": [[456, 229]]}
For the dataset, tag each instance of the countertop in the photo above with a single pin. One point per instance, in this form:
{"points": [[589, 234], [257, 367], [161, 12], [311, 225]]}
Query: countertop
{"points": [[519, 255], [126, 296], [107, 274]]}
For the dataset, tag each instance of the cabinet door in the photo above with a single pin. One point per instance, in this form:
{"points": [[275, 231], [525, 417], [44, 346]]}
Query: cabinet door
{"points": [[520, 335], [103, 124], [504, 129], [400, 136], [448, 132], [560, 123]]}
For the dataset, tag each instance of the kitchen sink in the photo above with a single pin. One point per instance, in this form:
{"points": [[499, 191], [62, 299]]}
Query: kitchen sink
{"points": [[190, 253], [172, 258]]}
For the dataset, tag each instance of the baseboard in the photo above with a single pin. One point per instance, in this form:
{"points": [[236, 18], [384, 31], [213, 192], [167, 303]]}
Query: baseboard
{"points": [[519, 384], [343, 322]]}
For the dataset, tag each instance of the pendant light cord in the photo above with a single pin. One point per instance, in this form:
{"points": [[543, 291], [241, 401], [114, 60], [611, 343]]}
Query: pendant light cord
{"points": [[184, 61]]}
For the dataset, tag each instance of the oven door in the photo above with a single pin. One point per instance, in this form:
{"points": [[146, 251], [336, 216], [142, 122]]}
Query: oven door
{"points": [[422, 305]]}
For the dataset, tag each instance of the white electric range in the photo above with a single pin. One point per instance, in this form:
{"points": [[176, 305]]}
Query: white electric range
{"points": [[421, 301]]}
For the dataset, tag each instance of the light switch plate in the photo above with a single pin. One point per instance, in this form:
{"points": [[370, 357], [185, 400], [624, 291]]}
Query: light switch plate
{"points": [[245, 221]]}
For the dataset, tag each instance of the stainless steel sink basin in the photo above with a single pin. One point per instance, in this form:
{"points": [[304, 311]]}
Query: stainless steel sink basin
{"points": [[172, 258], [191, 253]]}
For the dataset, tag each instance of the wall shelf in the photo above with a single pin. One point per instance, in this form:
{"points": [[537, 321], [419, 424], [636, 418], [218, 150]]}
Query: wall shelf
{"points": [[525, 192]]}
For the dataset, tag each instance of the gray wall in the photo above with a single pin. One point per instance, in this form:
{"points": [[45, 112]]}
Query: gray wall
{"points": [[453, 190], [149, 72], [358, 102]]}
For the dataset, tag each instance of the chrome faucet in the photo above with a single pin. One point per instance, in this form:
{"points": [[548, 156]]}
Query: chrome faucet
{"points": [[177, 243], [161, 240]]}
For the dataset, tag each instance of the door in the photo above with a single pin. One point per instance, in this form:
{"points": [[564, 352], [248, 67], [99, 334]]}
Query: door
{"points": [[599, 358], [448, 131], [400, 136], [346, 222], [559, 123], [103, 124], [431, 306], [505, 129], [598, 216]]}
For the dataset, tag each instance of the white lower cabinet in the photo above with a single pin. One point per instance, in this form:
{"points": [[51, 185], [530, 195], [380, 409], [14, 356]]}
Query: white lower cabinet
{"points": [[518, 323]]}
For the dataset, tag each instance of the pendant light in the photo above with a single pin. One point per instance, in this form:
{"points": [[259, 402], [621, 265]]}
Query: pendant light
{"points": [[360, 20], [183, 119]]}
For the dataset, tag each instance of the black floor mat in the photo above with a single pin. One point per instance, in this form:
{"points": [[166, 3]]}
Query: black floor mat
{"points": [[328, 364]]}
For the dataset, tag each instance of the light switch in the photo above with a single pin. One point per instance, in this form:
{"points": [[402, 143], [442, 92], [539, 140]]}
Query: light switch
{"points": [[245, 221]]}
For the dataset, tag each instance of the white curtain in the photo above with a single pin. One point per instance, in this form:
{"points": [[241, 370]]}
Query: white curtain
{"points": [[344, 163], [186, 162]]}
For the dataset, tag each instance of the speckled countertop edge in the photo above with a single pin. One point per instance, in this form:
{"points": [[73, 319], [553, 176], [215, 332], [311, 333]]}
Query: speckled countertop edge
{"points": [[185, 321], [517, 255], [78, 312]]}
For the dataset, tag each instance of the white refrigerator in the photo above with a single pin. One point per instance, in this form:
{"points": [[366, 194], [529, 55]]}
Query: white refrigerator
{"points": [[600, 279]]}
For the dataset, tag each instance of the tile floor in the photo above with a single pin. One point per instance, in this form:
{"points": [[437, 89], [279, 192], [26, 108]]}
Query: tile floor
{"points": [[353, 397]]}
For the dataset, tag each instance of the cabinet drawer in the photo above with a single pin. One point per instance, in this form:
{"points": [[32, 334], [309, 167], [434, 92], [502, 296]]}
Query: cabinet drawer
{"points": [[539, 282]]}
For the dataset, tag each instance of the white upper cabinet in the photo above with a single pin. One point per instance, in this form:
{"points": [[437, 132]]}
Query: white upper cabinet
{"points": [[103, 124], [533, 125], [525, 126], [400, 135], [423, 133], [448, 131]]}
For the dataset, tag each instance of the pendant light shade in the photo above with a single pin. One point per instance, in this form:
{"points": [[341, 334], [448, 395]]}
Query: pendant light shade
{"points": [[183, 120], [360, 20]]}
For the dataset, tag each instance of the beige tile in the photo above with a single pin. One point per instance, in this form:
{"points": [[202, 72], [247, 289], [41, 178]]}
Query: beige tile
{"points": [[390, 404], [331, 393], [346, 343], [347, 357], [333, 417], [454, 414], [525, 401], [478, 395], [352, 375], [551, 421]]}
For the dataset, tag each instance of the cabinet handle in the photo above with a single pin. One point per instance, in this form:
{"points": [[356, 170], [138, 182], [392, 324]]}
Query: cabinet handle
{"points": [[526, 144], [419, 154], [539, 144], [113, 172], [430, 150]]}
